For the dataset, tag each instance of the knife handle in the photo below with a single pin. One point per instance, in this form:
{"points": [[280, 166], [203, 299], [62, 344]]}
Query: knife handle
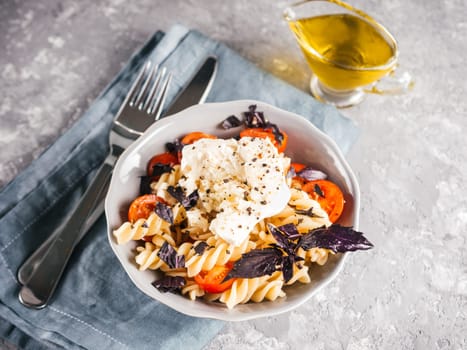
{"points": [[32, 262], [40, 286]]}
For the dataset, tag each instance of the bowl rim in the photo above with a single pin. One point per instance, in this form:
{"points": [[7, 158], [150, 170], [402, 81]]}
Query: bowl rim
{"points": [[230, 314]]}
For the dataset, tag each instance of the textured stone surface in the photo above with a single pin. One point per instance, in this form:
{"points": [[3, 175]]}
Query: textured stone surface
{"points": [[411, 159]]}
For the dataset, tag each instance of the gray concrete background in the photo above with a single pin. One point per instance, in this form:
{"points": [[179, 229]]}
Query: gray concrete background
{"points": [[408, 293]]}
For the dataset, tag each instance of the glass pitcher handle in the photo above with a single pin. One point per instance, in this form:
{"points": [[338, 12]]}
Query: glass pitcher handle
{"points": [[394, 83]]}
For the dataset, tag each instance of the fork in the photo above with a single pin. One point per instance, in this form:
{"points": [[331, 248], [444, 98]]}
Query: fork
{"points": [[142, 106]]}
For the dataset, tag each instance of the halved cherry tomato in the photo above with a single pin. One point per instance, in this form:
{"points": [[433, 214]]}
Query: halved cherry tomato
{"points": [[298, 166], [163, 158], [143, 206], [328, 195], [211, 281], [266, 133], [188, 139]]}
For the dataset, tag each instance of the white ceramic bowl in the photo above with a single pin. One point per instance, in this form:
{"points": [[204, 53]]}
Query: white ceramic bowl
{"points": [[306, 144]]}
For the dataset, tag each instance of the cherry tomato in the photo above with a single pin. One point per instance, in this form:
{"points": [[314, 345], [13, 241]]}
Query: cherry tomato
{"points": [[143, 206], [188, 139], [163, 158], [298, 167], [266, 133], [211, 281], [328, 195]]}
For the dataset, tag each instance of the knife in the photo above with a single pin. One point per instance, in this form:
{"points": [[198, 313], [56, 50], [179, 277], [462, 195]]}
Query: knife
{"points": [[195, 92]]}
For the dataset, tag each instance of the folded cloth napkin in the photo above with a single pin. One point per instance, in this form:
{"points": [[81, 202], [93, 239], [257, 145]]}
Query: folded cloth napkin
{"points": [[96, 306]]}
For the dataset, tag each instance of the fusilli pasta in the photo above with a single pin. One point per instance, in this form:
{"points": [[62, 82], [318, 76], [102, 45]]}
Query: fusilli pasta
{"points": [[142, 228], [189, 235]]}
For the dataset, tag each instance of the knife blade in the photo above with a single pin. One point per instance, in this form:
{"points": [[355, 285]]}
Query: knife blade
{"points": [[198, 88], [196, 91]]}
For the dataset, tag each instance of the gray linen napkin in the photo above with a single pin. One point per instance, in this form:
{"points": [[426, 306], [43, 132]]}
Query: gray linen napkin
{"points": [[96, 305]]}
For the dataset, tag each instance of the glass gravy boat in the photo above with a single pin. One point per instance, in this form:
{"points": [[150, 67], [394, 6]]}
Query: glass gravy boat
{"points": [[349, 53]]}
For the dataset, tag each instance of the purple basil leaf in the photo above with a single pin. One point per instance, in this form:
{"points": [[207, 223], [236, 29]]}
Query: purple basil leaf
{"points": [[281, 238], [191, 200], [257, 263], [169, 255], [174, 147], [307, 212], [178, 193], [179, 261], [337, 238], [164, 212], [311, 174], [290, 230], [231, 122], [159, 168], [255, 119], [297, 258], [169, 284], [287, 267], [200, 248], [145, 185], [277, 133]]}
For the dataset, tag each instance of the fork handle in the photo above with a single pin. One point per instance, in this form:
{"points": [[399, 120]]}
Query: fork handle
{"points": [[37, 291]]}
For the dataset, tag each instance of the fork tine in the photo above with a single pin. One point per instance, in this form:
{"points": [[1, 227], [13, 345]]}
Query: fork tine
{"points": [[159, 89], [156, 106], [136, 84], [154, 88], [148, 92], [144, 87]]}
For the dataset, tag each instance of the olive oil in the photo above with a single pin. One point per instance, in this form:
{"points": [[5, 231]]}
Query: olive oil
{"points": [[345, 51]]}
